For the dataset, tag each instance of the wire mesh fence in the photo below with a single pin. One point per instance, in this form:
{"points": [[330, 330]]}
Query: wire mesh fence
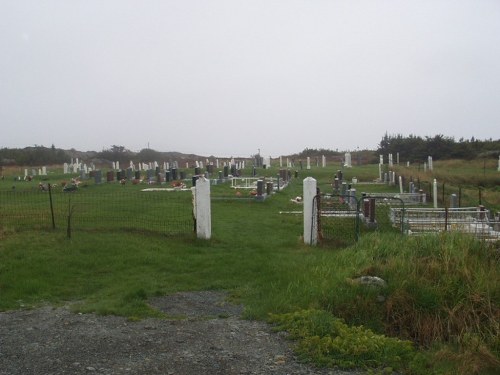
{"points": [[158, 211], [336, 218]]}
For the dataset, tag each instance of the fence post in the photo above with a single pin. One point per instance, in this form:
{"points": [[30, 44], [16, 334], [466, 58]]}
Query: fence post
{"points": [[51, 208], [434, 194], [202, 208], [310, 230]]}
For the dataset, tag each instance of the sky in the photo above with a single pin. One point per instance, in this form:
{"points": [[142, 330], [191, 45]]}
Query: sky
{"points": [[234, 77]]}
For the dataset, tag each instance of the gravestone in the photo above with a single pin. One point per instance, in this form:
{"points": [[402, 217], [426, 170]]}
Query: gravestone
{"points": [[269, 188], [336, 184], [347, 160], [110, 176], [149, 174], [453, 201], [98, 176], [308, 163], [260, 187]]}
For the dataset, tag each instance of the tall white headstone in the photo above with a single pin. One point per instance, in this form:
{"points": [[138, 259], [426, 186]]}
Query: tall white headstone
{"points": [[323, 161], [202, 210], [347, 161], [310, 226], [308, 162]]}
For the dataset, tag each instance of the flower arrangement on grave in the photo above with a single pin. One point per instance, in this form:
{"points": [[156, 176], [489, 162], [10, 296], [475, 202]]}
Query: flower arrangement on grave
{"points": [[178, 184]]}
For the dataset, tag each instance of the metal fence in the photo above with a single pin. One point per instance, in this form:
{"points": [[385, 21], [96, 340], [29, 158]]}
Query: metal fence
{"points": [[342, 219], [92, 209], [471, 220], [336, 218]]}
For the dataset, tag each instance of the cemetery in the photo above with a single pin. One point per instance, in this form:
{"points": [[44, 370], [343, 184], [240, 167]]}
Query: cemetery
{"points": [[375, 200], [280, 234]]}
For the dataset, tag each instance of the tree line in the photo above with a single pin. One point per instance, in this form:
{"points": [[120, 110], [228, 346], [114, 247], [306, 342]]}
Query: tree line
{"points": [[410, 148], [414, 148], [40, 155]]}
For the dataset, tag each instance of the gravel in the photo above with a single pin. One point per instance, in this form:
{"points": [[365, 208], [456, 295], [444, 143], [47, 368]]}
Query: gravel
{"points": [[203, 335]]}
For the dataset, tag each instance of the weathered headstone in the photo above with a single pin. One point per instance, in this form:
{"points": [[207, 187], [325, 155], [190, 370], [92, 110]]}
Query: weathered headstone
{"points": [[453, 201], [98, 176], [110, 176]]}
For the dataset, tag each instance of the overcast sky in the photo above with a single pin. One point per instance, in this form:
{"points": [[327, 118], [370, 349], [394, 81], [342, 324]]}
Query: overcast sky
{"points": [[230, 77]]}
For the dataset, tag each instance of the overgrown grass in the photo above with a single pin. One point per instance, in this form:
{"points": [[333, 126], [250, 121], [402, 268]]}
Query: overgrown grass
{"points": [[442, 292]]}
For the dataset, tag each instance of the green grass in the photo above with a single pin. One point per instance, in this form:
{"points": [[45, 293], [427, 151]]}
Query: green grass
{"points": [[442, 292]]}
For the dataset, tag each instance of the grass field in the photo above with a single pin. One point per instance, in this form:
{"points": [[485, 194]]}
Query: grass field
{"points": [[441, 303]]}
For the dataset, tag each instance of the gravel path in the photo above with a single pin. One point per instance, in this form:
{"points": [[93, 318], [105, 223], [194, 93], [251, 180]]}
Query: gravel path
{"points": [[210, 338]]}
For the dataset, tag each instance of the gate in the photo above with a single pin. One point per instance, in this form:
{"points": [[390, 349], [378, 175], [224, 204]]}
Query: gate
{"points": [[336, 219]]}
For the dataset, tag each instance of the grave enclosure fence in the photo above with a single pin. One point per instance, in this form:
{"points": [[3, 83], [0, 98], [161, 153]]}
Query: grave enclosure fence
{"points": [[341, 219], [169, 213]]}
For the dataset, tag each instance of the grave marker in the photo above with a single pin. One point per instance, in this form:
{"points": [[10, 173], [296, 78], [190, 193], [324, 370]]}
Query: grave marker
{"points": [[98, 176], [310, 226]]}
